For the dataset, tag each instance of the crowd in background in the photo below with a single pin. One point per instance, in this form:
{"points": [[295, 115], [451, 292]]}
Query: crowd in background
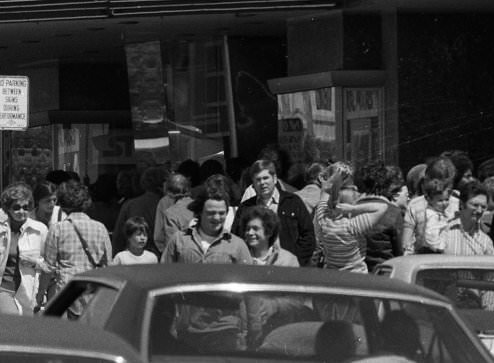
{"points": [[330, 215]]}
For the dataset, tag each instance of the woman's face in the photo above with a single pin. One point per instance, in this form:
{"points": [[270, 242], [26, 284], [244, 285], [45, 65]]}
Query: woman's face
{"points": [[19, 211], [255, 235], [475, 207], [47, 204]]}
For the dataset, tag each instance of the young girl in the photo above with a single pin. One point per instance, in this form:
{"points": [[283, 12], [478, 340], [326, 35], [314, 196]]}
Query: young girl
{"points": [[136, 230]]}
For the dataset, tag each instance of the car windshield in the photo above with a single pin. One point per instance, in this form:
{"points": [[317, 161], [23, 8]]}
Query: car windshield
{"points": [[314, 327]]}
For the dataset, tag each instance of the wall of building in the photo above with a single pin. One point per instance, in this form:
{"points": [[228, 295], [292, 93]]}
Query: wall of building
{"points": [[446, 85]]}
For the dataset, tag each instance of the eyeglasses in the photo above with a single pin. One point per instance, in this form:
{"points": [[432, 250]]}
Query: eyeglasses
{"points": [[17, 207]]}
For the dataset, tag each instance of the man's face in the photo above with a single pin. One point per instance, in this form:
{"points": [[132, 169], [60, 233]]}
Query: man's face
{"points": [[213, 216], [264, 184]]}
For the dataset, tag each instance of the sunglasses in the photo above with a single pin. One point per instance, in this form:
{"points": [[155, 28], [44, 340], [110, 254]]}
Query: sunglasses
{"points": [[17, 207]]}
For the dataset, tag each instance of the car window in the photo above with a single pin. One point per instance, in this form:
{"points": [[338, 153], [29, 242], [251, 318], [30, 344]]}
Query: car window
{"points": [[87, 302], [383, 270], [336, 328], [467, 288], [50, 358]]}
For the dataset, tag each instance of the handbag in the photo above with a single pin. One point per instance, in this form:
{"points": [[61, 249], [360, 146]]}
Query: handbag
{"points": [[104, 259]]}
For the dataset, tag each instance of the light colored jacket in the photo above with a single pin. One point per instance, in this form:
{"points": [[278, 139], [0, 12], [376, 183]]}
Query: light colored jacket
{"points": [[31, 245]]}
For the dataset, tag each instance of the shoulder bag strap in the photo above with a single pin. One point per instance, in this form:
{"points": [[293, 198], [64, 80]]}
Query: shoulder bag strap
{"points": [[84, 245]]}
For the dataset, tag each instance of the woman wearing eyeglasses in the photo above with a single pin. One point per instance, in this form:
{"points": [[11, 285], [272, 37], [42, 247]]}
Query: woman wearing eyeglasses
{"points": [[21, 247]]}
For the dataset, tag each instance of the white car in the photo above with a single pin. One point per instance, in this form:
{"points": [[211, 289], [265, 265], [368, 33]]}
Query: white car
{"points": [[468, 281]]}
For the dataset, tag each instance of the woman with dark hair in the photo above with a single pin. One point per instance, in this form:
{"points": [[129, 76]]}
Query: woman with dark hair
{"points": [[78, 243], [46, 209], [260, 228], [22, 241]]}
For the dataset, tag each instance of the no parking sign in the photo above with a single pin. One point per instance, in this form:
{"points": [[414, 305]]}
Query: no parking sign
{"points": [[14, 102]]}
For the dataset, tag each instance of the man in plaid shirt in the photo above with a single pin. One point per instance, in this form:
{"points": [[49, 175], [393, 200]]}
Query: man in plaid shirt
{"points": [[64, 249]]}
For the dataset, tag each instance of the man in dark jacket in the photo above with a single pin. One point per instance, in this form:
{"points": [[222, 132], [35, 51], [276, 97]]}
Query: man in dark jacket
{"points": [[296, 228]]}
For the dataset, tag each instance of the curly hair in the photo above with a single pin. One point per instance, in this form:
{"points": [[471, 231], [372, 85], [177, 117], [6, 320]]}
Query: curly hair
{"points": [[377, 178], [15, 192], [206, 194], [73, 196], [269, 219]]}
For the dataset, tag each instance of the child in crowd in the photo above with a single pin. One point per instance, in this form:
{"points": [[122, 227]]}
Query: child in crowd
{"points": [[437, 193], [136, 230]]}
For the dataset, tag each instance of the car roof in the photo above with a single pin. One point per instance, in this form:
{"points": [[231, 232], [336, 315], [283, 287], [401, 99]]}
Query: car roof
{"points": [[60, 336], [441, 261], [158, 276]]}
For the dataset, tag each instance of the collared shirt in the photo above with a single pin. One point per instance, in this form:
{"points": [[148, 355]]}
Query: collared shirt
{"points": [[64, 251], [186, 247], [461, 243], [272, 202], [342, 239]]}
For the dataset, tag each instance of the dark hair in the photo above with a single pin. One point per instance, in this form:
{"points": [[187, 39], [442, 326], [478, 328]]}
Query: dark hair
{"points": [[472, 189], [210, 167], [190, 169], [58, 177], [434, 187], [42, 190], [14, 192], [206, 194], [73, 196], [377, 178], [462, 163], [104, 188], [260, 165], [135, 224], [152, 179], [269, 219]]}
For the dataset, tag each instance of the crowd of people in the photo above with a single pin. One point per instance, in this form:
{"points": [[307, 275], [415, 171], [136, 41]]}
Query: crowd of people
{"points": [[340, 217]]}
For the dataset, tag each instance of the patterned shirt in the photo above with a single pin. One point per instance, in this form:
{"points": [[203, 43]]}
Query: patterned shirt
{"points": [[460, 243], [185, 247], [63, 249], [342, 239]]}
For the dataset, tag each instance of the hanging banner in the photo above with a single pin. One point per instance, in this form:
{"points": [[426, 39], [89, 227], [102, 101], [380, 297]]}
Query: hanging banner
{"points": [[14, 102]]}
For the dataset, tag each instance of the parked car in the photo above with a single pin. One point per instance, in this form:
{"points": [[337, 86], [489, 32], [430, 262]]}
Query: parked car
{"points": [[468, 281], [43, 339], [231, 313]]}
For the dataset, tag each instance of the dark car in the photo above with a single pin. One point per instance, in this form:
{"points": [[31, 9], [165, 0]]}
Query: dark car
{"points": [[249, 313], [44, 339]]}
